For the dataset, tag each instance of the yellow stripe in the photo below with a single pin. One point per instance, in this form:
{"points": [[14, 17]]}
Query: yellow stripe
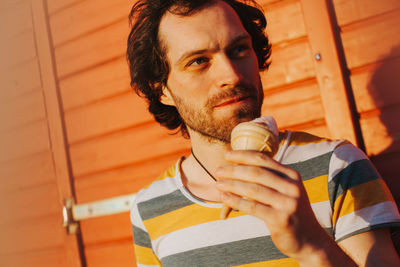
{"points": [[287, 262], [301, 138], [179, 219], [169, 173], [361, 196], [146, 256], [316, 192]]}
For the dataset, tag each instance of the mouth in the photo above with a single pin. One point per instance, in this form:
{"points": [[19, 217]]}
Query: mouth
{"points": [[233, 100]]}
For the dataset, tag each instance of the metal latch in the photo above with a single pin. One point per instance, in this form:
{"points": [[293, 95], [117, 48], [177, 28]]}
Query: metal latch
{"points": [[73, 213]]}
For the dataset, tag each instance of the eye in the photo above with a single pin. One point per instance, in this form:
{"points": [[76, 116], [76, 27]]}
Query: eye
{"points": [[240, 50], [198, 61]]}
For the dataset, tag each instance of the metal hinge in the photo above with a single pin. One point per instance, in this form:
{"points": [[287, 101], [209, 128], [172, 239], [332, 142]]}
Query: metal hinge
{"points": [[73, 213]]}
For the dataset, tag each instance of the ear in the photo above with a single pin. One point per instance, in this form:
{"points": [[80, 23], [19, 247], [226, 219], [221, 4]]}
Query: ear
{"points": [[166, 97]]}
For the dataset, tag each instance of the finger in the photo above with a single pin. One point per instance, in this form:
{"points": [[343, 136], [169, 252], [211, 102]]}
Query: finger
{"points": [[255, 192], [248, 157], [248, 206], [261, 176]]}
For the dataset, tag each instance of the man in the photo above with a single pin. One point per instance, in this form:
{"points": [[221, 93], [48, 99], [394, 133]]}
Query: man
{"points": [[198, 64]]}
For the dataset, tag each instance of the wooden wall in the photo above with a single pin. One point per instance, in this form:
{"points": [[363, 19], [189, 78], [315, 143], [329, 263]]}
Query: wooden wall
{"points": [[34, 176], [79, 119]]}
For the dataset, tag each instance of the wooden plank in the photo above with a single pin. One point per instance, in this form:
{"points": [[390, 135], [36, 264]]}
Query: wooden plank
{"points": [[107, 116], [376, 86], [54, 6], [85, 17], [55, 126], [22, 173], [285, 21], [92, 49], [43, 258], [15, 19], [95, 84], [18, 49], [28, 203], [36, 234], [125, 180], [118, 227], [348, 11], [291, 62], [123, 148], [363, 41], [330, 72], [19, 80], [318, 128], [110, 255], [306, 111], [22, 110], [381, 130], [26, 140]]}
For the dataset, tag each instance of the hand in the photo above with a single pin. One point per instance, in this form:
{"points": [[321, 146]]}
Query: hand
{"points": [[258, 185]]}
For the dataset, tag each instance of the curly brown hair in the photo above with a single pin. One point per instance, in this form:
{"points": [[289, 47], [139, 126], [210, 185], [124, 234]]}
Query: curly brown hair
{"points": [[148, 65]]}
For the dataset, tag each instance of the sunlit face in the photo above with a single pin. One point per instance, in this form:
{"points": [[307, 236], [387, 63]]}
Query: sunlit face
{"points": [[214, 78]]}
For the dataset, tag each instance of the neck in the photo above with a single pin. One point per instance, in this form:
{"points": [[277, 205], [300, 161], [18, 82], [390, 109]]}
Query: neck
{"points": [[211, 155]]}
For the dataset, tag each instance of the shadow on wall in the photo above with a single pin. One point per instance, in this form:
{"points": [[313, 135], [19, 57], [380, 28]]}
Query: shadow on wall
{"points": [[384, 89]]}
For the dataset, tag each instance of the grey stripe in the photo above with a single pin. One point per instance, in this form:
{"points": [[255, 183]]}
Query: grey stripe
{"points": [[163, 204], [354, 174], [140, 237], [313, 167], [234, 253]]}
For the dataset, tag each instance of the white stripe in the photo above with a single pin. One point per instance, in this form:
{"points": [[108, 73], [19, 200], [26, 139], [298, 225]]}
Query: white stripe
{"points": [[342, 157], [323, 213], [209, 234], [384, 212], [297, 153], [157, 189], [136, 219]]}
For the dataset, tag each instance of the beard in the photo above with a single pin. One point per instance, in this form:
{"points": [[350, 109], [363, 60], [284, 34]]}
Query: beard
{"points": [[204, 122]]}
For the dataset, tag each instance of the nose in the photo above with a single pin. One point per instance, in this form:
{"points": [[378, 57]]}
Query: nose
{"points": [[227, 71]]}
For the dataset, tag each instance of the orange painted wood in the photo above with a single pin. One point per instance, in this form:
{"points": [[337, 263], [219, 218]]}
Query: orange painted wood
{"points": [[28, 203], [122, 148], [95, 84], [44, 258], [124, 180], [381, 131], [376, 85], [119, 254], [87, 16], [348, 11], [284, 21], [55, 124], [25, 140], [22, 110], [316, 127], [92, 49], [362, 47], [107, 116], [22, 173], [54, 6], [329, 70], [291, 62], [12, 83], [16, 14], [103, 229], [37, 234]]}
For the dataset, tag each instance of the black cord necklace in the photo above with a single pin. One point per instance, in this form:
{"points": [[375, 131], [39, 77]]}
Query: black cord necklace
{"points": [[204, 168]]}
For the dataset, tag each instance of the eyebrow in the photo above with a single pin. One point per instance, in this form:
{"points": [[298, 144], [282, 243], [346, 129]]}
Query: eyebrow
{"points": [[202, 51]]}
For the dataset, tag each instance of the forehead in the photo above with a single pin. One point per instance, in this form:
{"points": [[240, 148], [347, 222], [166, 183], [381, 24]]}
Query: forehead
{"points": [[212, 26]]}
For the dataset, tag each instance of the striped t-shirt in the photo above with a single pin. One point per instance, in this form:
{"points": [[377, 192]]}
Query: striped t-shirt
{"points": [[171, 227]]}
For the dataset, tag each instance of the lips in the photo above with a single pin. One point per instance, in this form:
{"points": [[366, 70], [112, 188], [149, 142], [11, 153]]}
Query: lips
{"points": [[232, 100]]}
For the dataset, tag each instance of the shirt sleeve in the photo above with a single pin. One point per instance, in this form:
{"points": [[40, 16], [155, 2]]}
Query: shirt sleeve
{"points": [[144, 253], [359, 197]]}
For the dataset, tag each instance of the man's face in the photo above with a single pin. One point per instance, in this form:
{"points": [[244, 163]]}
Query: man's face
{"points": [[214, 79]]}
